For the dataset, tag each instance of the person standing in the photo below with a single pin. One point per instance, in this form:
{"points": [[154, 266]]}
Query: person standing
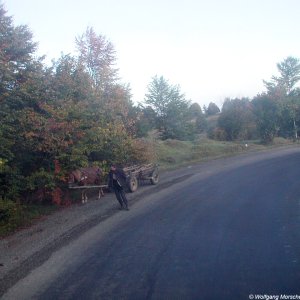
{"points": [[114, 183]]}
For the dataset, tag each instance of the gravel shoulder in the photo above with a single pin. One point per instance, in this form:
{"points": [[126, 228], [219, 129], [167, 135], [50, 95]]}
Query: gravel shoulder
{"points": [[30, 247]]}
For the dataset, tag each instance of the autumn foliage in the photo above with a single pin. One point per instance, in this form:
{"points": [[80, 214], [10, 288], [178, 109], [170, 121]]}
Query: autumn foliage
{"points": [[77, 113], [57, 118]]}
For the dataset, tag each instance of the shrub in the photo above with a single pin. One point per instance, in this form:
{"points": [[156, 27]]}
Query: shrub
{"points": [[11, 216], [142, 151], [218, 134]]}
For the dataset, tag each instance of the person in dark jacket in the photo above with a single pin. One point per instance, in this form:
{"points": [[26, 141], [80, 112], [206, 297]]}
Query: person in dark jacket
{"points": [[114, 183]]}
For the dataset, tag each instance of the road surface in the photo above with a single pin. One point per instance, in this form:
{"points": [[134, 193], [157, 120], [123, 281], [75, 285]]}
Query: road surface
{"points": [[227, 233]]}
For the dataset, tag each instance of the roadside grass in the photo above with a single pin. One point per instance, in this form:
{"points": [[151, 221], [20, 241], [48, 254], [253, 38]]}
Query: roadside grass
{"points": [[14, 216], [172, 154]]}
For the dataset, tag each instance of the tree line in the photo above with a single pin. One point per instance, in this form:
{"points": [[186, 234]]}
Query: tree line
{"points": [[76, 112], [275, 112]]}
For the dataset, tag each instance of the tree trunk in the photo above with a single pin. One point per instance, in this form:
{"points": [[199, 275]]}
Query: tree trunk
{"points": [[295, 130]]}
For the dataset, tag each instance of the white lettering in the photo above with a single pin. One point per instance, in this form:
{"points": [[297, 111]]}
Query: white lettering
{"points": [[274, 297], [267, 297]]}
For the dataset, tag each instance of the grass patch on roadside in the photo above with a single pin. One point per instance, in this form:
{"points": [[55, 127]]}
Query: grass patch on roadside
{"points": [[14, 216], [173, 153]]}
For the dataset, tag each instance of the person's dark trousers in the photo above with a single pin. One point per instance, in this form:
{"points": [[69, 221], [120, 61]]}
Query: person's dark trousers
{"points": [[121, 197]]}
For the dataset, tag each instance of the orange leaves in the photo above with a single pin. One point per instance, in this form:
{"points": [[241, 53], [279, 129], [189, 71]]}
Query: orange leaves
{"points": [[29, 135], [49, 134], [57, 196], [57, 167]]}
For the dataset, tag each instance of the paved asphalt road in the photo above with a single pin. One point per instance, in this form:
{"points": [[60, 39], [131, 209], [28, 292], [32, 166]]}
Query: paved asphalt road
{"points": [[218, 235]]}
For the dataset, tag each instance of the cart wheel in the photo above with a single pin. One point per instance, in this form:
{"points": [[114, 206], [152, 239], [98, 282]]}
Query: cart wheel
{"points": [[154, 177], [133, 184]]}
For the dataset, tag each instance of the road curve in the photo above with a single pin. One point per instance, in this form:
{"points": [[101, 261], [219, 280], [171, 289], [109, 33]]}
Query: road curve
{"points": [[225, 235]]}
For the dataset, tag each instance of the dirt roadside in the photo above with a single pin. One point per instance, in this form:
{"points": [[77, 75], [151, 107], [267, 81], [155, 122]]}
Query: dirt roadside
{"points": [[30, 247]]}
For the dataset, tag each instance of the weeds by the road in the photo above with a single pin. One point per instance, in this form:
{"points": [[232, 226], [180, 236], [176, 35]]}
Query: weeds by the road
{"points": [[14, 216], [173, 153]]}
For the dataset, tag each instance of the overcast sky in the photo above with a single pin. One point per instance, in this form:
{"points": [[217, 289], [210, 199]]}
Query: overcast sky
{"points": [[213, 49]]}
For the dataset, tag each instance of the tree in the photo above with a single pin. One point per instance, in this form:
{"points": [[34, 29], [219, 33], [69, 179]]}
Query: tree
{"points": [[16, 54], [284, 91], [236, 119], [97, 55], [197, 117], [289, 70], [146, 120], [212, 109], [267, 117], [23, 82], [110, 99], [289, 118], [195, 110], [170, 107], [70, 81], [159, 96]]}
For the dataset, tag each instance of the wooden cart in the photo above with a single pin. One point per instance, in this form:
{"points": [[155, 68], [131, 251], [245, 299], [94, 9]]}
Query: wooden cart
{"points": [[85, 188], [135, 174]]}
